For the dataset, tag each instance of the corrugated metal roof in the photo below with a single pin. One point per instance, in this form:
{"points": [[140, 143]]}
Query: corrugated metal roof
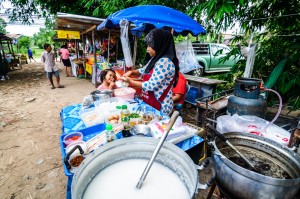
{"points": [[13, 36], [65, 21]]}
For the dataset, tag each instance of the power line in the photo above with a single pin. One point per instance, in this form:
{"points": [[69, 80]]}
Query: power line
{"points": [[272, 17]]}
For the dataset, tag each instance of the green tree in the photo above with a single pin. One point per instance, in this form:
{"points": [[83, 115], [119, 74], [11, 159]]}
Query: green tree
{"points": [[43, 36], [3, 25], [274, 25], [24, 42]]}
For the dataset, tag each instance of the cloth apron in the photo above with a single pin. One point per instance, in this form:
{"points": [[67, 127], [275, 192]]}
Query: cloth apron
{"points": [[149, 97]]}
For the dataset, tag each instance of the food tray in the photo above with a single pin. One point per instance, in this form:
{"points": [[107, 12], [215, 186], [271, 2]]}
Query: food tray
{"points": [[188, 134], [91, 117], [88, 133]]}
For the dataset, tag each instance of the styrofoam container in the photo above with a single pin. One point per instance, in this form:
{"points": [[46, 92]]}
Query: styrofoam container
{"points": [[124, 93], [91, 117]]}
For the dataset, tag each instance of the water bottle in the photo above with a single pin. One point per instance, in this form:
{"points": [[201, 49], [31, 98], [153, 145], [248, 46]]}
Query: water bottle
{"points": [[110, 134]]}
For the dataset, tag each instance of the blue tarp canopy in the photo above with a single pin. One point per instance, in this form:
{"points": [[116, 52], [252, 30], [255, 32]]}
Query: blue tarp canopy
{"points": [[147, 17]]}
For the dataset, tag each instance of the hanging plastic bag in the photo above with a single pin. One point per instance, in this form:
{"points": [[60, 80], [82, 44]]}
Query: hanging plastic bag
{"points": [[187, 59], [254, 125], [124, 24]]}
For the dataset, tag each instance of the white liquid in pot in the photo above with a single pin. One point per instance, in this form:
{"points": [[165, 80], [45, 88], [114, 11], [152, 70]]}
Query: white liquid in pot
{"points": [[119, 181]]}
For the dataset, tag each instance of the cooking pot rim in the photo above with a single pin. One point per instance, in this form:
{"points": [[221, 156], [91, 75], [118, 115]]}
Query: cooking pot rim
{"points": [[170, 148], [251, 174]]}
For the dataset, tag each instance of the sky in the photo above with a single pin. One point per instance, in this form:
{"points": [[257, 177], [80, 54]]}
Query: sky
{"points": [[17, 27]]}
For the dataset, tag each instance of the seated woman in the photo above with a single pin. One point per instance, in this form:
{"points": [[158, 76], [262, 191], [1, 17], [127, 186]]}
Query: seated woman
{"points": [[179, 92], [108, 79], [161, 72]]}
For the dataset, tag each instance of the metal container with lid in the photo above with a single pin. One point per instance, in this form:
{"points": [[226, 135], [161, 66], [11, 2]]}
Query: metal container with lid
{"points": [[102, 94]]}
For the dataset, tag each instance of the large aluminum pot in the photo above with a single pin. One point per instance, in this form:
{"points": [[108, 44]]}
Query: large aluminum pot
{"points": [[102, 94], [134, 148], [243, 183]]}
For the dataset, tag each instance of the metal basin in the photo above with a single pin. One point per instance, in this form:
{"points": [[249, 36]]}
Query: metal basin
{"points": [[102, 94], [134, 148], [243, 183]]}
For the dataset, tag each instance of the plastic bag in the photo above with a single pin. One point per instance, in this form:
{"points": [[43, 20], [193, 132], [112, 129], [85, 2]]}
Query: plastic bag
{"points": [[125, 42], [254, 125], [158, 128], [187, 59], [87, 101]]}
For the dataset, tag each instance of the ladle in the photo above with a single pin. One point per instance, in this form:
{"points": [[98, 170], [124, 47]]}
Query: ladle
{"points": [[157, 148], [222, 137]]}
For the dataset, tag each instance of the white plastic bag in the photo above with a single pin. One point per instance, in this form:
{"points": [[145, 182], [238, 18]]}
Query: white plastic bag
{"points": [[87, 101], [254, 125], [185, 54], [125, 42]]}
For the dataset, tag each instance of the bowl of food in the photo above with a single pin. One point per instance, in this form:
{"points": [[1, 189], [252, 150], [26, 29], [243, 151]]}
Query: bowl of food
{"points": [[72, 137], [134, 119], [140, 130], [112, 118]]}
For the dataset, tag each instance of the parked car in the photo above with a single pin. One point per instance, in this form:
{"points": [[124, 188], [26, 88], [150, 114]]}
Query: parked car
{"points": [[209, 54]]}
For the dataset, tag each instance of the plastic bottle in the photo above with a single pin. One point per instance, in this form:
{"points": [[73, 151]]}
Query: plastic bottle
{"points": [[119, 109], [124, 112], [110, 135], [125, 116]]}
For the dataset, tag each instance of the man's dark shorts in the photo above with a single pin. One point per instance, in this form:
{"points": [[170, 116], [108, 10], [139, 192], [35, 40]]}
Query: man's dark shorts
{"points": [[66, 62], [50, 74]]}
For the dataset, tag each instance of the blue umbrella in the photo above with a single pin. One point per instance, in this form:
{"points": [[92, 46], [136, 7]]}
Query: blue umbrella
{"points": [[147, 17]]}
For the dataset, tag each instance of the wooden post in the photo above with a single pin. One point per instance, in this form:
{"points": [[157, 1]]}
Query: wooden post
{"points": [[83, 55], [250, 62], [94, 73]]}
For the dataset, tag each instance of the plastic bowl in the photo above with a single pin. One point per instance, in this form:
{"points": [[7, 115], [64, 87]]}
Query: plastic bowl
{"points": [[124, 93], [72, 137]]}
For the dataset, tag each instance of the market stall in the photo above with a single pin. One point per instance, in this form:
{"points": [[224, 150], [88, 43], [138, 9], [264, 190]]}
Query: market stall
{"points": [[7, 51], [79, 31], [104, 121]]}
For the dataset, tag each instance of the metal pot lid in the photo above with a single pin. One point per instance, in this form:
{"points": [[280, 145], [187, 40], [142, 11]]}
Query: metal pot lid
{"points": [[97, 92]]}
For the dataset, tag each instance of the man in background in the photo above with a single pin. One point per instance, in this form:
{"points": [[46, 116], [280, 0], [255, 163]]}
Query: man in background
{"points": [[29, 52]]}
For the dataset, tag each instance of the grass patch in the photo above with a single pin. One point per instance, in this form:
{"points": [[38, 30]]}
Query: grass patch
{"points": [[37, 52]]}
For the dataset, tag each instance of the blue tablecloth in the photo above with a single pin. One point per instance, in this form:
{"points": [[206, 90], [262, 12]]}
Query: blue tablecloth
{"points": [[71, 121]]}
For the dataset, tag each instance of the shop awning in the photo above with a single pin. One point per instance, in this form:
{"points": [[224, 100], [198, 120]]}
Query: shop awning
{"points": [[147, 17], [72, 22]]}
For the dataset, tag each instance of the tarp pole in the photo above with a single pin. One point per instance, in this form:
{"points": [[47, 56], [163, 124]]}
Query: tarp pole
{"points": [[134, 50]]}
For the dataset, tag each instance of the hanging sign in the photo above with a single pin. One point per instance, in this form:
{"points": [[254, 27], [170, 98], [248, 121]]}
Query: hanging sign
{"points": [[65, 34]]}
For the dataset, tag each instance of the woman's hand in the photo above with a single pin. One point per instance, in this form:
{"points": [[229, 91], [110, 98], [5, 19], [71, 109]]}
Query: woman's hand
{"points": [[125, 79], [128, 73]]}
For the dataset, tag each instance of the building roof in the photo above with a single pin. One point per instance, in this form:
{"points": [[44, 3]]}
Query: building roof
{"points": [[83, 24]]}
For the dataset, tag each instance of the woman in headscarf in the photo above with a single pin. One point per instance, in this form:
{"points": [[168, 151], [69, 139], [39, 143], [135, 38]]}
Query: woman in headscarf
{"points": [[160, 74]]}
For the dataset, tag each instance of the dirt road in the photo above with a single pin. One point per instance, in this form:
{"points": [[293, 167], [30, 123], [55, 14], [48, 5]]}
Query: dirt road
{"points": [[30, 157]]}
